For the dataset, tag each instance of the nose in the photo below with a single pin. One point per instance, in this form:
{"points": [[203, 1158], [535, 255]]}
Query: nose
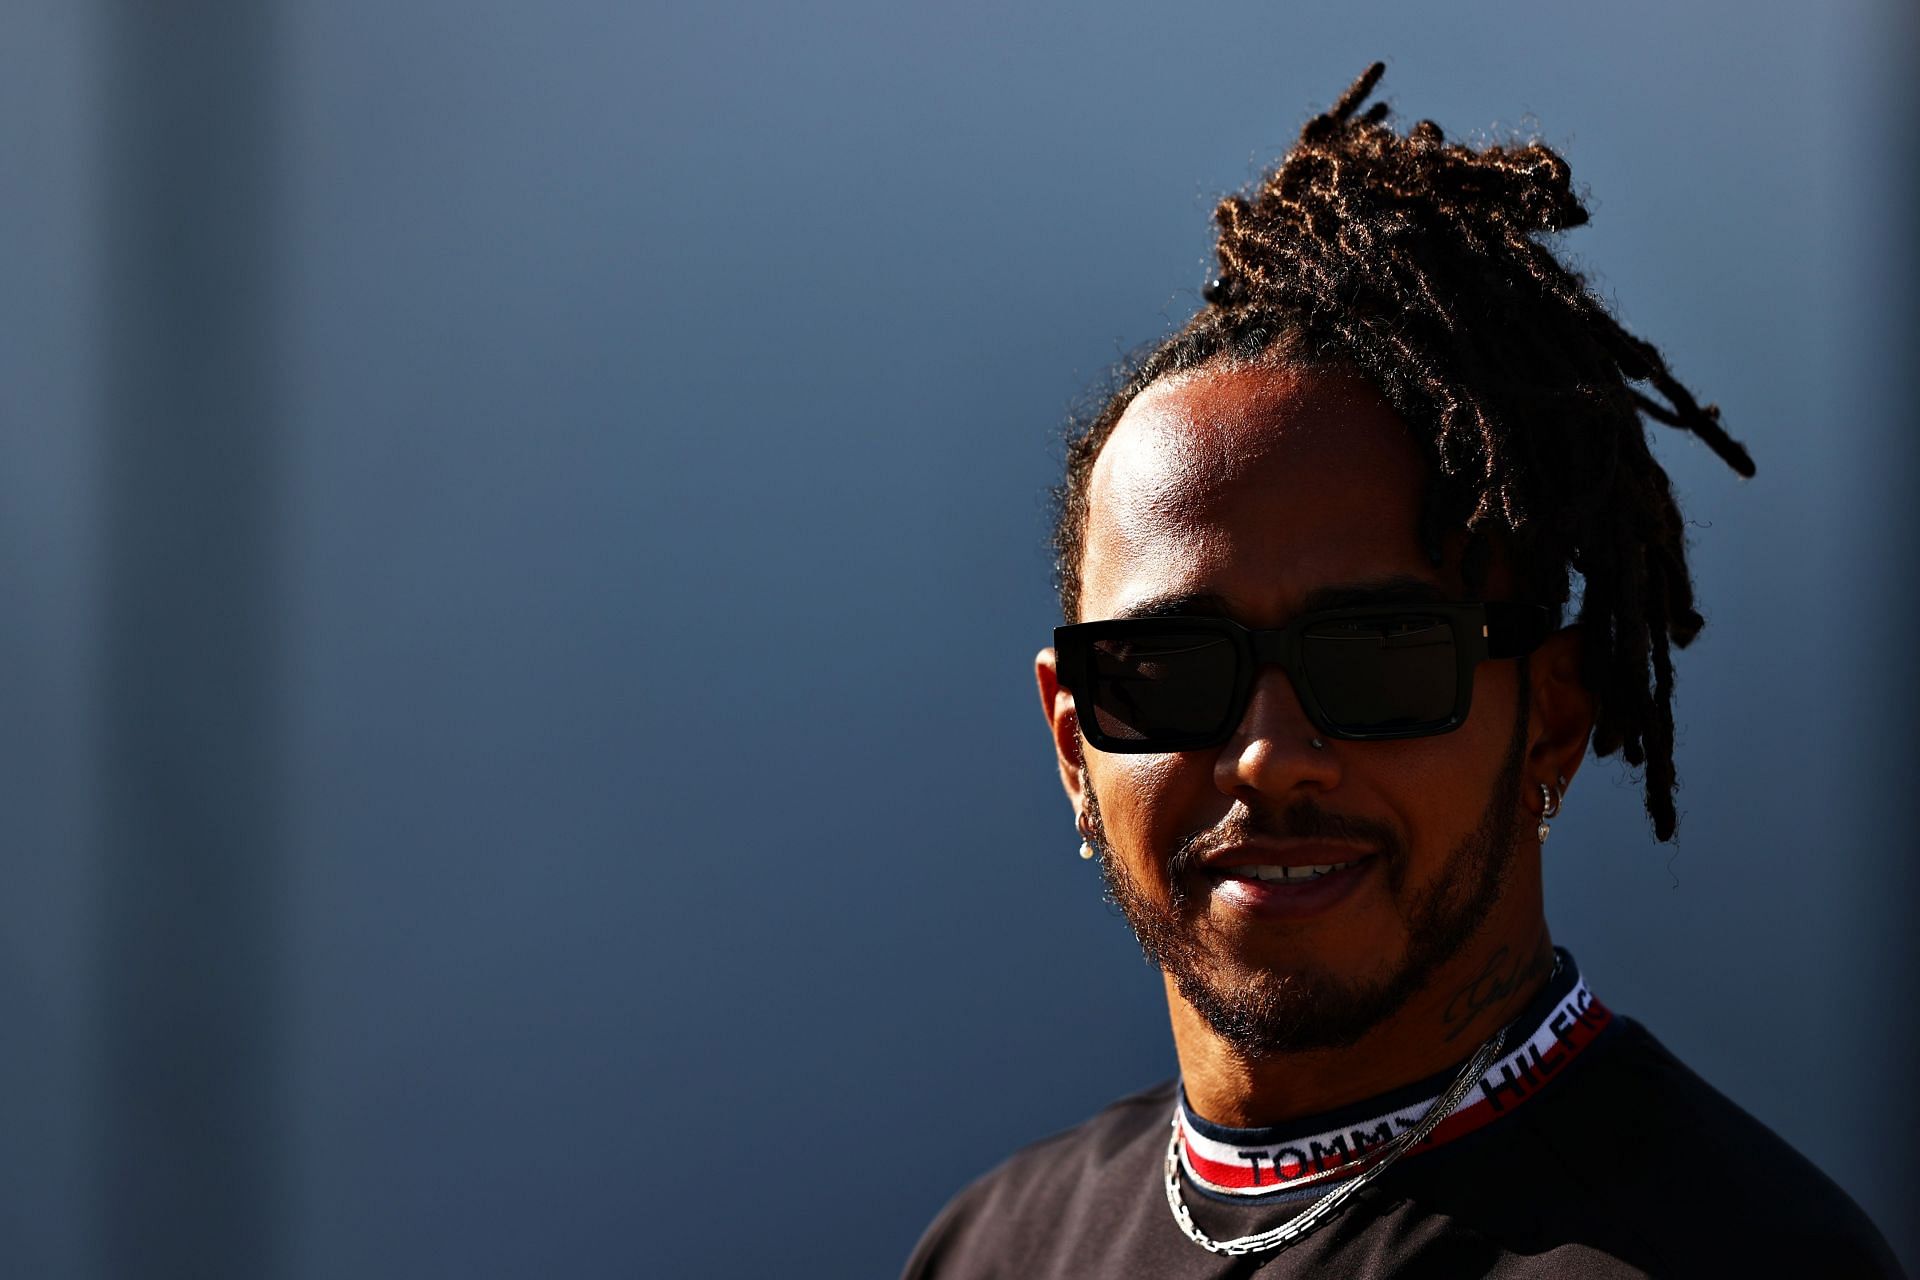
{"points": [[1271, 755]]}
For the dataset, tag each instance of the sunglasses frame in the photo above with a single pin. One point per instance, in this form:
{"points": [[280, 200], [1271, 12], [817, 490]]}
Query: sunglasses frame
{"points": [[1481, 631]]}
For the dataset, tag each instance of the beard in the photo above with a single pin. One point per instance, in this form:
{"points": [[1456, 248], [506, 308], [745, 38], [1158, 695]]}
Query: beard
{"points": [[1262, 1012]]}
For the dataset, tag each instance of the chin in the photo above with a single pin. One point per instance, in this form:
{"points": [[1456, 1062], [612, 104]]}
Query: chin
{"points": [[1287, 1008]]}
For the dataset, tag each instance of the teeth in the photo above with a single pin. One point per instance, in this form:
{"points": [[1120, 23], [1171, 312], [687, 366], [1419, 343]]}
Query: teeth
{"points": [[1294, 874]]}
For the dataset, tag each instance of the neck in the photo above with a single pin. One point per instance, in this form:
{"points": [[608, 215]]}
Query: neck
{"points": [[1463, 1003]]}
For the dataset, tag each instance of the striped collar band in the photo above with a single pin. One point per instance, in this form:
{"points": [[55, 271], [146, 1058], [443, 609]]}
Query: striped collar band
{"points": [[1250, 1162]]}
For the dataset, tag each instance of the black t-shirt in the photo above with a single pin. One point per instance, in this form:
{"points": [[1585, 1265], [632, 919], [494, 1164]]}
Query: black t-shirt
{"points": [[1619, 1161]]}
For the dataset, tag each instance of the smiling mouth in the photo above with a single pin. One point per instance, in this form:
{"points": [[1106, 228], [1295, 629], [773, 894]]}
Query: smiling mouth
{"points": [[1287, 875]]}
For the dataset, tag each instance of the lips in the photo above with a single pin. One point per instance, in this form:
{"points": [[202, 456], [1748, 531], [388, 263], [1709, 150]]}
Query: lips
{"points": [[1288, 880]]}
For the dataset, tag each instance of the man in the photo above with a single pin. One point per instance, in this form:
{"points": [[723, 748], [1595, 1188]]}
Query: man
{"points": [[1318, 701]]}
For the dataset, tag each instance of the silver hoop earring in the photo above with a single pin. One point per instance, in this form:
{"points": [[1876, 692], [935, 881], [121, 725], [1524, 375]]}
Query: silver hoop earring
{"points": [[1549, 808]]}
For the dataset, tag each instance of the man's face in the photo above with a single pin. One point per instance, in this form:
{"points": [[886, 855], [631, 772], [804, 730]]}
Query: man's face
{"points": [[1263, 494]]}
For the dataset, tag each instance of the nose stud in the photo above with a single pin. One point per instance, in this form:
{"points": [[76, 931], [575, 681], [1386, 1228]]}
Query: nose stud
{"points": [[1319, 745]]}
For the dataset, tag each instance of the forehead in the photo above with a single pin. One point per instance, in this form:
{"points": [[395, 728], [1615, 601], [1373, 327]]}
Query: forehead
{"points": [[1258, 485]]}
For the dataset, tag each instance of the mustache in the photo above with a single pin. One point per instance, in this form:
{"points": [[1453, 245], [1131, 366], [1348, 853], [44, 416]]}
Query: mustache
{"points": [[1301, 820]]}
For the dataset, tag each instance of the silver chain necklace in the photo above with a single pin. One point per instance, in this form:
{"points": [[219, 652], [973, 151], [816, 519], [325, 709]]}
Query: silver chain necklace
{"points": [[1323, 1208]]}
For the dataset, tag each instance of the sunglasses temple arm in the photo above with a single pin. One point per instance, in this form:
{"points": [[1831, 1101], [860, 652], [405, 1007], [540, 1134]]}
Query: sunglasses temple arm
{"points": [[1514, 629]]}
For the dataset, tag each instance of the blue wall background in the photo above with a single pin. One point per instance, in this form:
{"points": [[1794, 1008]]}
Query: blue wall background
{"points": [[522, 534]]}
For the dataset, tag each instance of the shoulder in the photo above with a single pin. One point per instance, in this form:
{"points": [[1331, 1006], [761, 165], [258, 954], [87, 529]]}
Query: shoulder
{"points": [[1046, 1187], [1683, 1167]]}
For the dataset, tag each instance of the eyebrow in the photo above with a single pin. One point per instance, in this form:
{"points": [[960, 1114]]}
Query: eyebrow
{"points": [[1396, 589]]}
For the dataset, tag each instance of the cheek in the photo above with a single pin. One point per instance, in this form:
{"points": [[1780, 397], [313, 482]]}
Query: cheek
{"points": [[1452, 776], [1145, 797], [1489, 730]]}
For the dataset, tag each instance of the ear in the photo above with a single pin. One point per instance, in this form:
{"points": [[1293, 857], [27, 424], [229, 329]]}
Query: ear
{"points": [[1560, 719], [1064, 723]]}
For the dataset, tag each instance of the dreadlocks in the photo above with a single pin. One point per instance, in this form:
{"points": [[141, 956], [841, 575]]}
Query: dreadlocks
{"points": [[1419, 264]]}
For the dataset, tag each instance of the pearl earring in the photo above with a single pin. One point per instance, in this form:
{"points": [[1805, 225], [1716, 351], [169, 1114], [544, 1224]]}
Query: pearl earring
{"points": [[1549, 807]]}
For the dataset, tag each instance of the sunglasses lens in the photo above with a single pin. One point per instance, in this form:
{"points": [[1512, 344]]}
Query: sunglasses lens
{"points": [[1159, 687], [1383, 674]]}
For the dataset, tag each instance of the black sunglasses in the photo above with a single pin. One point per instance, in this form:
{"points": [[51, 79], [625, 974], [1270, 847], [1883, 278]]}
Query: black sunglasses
{"points": [[1376, 671]]}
